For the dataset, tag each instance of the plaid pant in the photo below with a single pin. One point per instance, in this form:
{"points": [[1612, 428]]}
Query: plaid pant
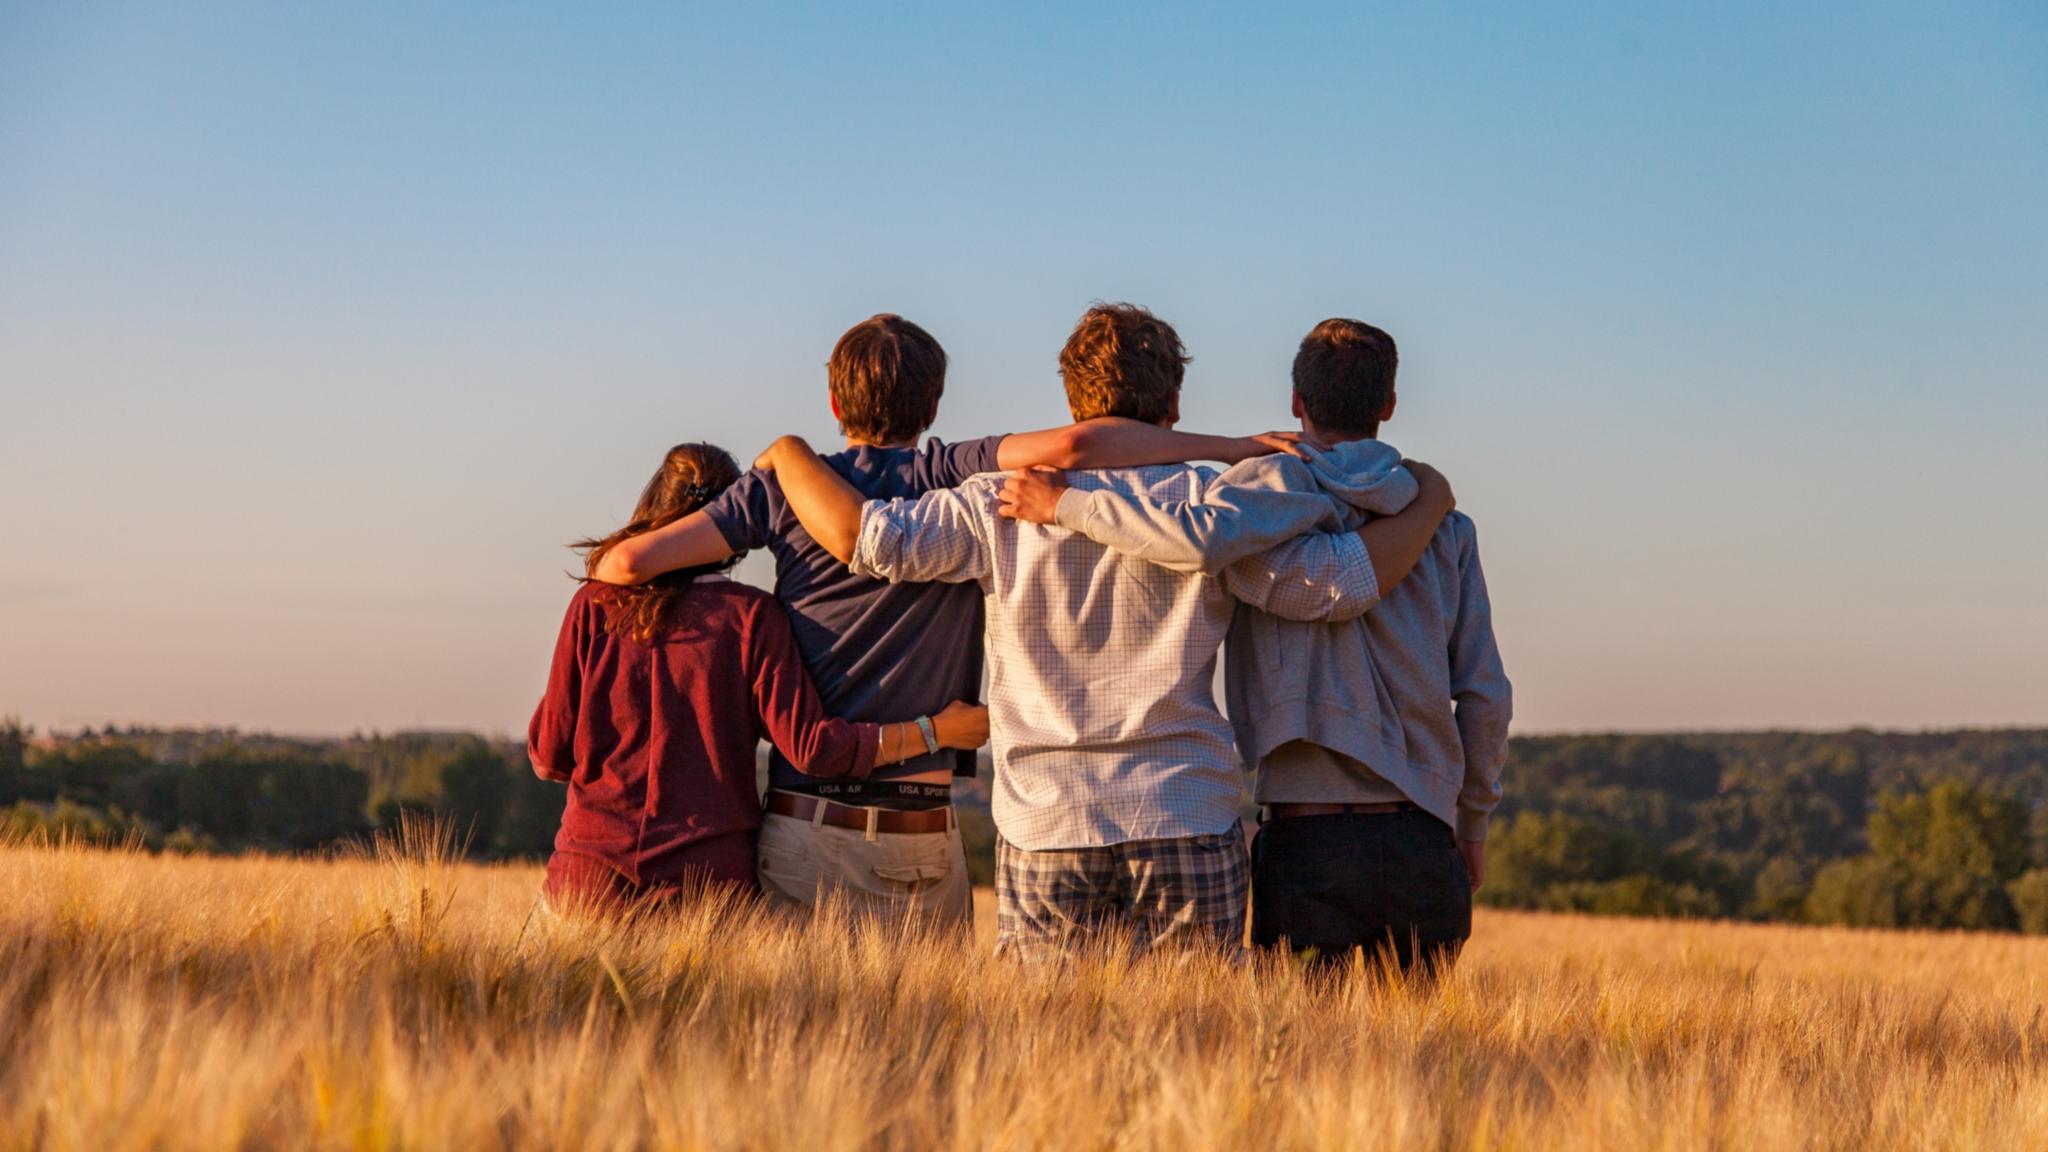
{"points": [[1188, 891]]}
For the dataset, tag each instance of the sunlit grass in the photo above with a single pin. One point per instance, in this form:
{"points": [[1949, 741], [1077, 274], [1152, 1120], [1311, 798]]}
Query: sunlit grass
{"points": [[406, 1001]]}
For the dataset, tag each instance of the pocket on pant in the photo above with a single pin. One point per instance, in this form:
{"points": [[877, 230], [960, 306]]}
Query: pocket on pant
{"points": [[913, 874], [915, 861], [781, 851]]}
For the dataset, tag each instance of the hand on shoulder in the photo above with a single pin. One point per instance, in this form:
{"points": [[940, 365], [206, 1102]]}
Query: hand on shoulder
{"points": [[1032, 495], [1432, 489]]}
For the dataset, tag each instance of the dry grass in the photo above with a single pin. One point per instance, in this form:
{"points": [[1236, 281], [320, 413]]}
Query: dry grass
{"points": [[406, 1002]]}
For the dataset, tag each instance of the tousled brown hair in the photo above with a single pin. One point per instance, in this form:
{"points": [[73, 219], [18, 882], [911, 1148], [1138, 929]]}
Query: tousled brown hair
{"points": [[887, 375], [690, 476], [1344, 374], [1121, 360]]}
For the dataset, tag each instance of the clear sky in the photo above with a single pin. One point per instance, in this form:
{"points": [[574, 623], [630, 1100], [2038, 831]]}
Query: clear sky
{"points": [[324, 327]]}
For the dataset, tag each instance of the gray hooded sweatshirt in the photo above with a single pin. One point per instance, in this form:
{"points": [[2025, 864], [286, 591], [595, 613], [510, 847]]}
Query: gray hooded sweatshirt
{"points": [[1413, 690]]}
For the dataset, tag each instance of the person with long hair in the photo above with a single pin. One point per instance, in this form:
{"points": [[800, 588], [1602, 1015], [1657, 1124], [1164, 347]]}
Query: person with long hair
{"points": [[657, 698]]}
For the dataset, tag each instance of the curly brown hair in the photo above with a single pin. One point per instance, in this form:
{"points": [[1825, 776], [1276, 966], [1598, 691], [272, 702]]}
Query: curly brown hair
{"points": [[887, 375], [1121, 360], [690, 476]]}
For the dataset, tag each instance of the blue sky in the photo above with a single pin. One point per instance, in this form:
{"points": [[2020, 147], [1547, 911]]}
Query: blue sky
{"points": [[323, 328]]}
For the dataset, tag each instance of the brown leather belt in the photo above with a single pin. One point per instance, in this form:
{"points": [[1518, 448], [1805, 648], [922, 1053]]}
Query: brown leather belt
{"points": [[891, 820], [1291, 811]]}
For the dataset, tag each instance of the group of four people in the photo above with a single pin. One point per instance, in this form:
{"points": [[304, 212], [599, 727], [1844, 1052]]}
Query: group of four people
{"points": [[1098, 574]]}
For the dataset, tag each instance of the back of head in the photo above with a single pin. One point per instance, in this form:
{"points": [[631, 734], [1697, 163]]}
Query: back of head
{"points": [[1344, 376], [690, 476], [1123, 361], [887, 375]]}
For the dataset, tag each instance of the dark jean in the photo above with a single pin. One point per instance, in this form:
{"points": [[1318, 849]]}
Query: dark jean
{"points": [[1390, 883]]}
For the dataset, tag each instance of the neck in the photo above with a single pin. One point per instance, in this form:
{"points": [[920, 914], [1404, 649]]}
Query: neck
{"points": [[854, 442], [1339, 437]]}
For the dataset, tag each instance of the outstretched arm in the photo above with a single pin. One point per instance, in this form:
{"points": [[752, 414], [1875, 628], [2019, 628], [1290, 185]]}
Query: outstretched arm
{"points": [[1115, 442], [789, 713], [1331, 578], [1214, 534], [1397, 542], [825, 504], [687, 543]]}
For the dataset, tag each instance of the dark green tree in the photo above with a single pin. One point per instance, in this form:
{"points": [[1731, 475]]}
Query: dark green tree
{"points": [[13, 759], [1939, 858], [473, 792], [2029, 896]]}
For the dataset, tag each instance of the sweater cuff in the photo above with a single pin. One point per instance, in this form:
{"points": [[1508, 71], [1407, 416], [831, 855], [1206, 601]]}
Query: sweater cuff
{"points": [[1472, 825], [1072, 511]]}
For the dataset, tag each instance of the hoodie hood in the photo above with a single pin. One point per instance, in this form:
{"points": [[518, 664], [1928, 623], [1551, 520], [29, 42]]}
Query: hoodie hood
{"points": [[1365, 474]]}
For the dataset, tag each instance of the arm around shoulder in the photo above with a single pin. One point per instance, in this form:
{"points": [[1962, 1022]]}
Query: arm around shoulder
{"points": [[1253, 508], [691, 542]]}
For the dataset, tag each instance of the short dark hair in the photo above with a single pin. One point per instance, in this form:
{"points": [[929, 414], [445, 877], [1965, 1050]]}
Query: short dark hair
{"points": [[887, 375], [1344, 374], [1122, 361]]}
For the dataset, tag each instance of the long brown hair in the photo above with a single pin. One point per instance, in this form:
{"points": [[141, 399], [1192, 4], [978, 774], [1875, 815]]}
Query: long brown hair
{"points": [[690, 476]]}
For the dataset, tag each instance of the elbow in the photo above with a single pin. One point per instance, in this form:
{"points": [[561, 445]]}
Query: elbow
{"points": [[841, 548], [621, 565], [543, 767], [1074, 446]]}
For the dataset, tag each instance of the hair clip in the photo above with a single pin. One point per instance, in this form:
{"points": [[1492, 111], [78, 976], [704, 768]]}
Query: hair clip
{"points": [[697, 493]]}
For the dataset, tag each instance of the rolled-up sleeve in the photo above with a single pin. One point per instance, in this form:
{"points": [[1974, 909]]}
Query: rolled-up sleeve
{"points": [[938, 537], [1323, 578]]}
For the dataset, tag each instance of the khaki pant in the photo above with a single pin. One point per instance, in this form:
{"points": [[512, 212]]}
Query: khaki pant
{"points": [[891, 876]]}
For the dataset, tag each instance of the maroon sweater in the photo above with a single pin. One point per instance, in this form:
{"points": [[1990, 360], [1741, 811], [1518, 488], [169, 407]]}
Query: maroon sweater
{"points": [[657, 740]]}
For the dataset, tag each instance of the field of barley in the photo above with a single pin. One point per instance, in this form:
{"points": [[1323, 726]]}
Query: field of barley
{"points": [[408, 1001]]}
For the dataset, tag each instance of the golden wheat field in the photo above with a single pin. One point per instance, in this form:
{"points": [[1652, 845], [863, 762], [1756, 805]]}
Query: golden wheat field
{"points": [[407, 1001]]}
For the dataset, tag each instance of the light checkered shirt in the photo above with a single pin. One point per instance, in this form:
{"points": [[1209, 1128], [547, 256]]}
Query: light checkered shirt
{"points": [[1105, 723]]}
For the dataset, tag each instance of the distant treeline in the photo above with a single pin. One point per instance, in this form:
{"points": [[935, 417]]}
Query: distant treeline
{"points": [[1944, 830], [219, 790], [1933, 830]]}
